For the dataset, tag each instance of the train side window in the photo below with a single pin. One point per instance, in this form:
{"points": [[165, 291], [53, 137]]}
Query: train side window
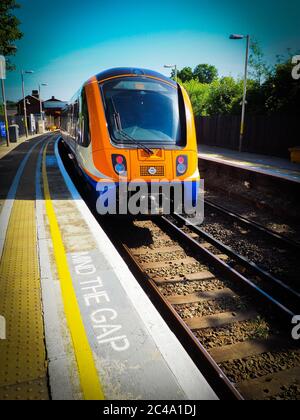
{"points": [[64, 119], [85, 126], [76, 121], [73, 121]]}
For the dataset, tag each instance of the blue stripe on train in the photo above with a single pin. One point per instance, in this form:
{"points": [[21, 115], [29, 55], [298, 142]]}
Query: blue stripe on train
{"points": [[191, 188]]}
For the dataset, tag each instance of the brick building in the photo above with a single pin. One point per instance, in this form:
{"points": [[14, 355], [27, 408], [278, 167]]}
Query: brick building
{"points": [[51, 108], [32, 104]]}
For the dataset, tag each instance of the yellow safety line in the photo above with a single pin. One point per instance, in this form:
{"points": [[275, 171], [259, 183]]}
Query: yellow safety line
{"points": [[88, 375]]}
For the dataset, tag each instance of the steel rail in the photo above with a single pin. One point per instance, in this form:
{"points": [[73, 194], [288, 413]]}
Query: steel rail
{"points": [[284, 313], [200, 356], [246, 222], [278, 287], [202, 359]]}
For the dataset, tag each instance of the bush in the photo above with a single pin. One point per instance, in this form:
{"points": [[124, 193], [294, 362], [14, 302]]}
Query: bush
{"points": [[222, 96], [271, 90], [198, 93]]}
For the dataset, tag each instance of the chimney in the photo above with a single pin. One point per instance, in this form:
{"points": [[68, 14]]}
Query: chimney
{"points": [[35, 93], [52, 98]]}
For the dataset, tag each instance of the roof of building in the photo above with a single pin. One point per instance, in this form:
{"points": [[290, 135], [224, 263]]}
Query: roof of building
{"points": [[49, 104], [53, 99], [28, 97]]}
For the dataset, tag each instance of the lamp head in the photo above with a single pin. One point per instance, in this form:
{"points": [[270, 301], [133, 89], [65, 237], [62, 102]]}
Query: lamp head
{"points": [[236, 36]]}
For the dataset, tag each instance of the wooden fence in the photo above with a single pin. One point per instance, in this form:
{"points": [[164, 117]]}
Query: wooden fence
{"points": [[269, 135]]}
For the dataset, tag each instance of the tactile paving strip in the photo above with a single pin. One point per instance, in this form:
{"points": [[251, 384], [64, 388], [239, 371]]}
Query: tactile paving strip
{"points": [[31, 390], [23, 372]]}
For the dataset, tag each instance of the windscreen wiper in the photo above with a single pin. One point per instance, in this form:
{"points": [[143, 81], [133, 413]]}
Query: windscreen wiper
{"points": [[133, 140], [118, 125]]}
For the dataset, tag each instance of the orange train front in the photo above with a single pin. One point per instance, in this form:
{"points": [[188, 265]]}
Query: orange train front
{"points": [[133, 124]]}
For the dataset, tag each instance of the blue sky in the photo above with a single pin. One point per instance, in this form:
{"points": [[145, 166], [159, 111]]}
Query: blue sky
{"points": [[67, 41]]}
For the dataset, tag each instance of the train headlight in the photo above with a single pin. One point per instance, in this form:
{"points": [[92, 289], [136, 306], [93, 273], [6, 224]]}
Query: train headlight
{"points": [[120, 168], [181, 165], [119, 164], [120, 159]]}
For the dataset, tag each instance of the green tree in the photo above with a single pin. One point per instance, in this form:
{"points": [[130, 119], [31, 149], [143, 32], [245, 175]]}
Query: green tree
{"points": [[281, 92], [254, 99], [9, 30], [270, 89], [283, 58], [258, 69], [223, 96], [198, 93], [205, 73], [185, 74]]}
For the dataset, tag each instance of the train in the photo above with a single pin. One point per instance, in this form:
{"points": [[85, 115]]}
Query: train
{"points": [[127, 127]]}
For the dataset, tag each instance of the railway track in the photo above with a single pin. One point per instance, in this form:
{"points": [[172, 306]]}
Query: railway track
{"points": [[235, 331], [275, 288], [266, 253], [274, 236], [233, 323]]}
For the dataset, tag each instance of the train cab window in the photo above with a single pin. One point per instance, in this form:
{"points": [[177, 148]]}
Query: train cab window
{"points": [[144, 110], [85, 127]]}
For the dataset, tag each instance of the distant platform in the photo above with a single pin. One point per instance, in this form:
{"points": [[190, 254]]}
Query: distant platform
{"points": [[268, 165]]}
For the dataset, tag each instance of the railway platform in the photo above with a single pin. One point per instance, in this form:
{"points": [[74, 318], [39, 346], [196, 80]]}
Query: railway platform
{"points": [[4, 149], [259, 164], [75, 324]]}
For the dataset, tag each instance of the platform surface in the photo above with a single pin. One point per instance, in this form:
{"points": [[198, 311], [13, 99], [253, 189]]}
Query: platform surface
{"points": [[78, 325], [269, 165], [4, 149]]}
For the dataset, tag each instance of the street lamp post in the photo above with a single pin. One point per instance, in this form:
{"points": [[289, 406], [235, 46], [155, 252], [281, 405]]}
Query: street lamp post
{"points": [[24, 100], [234, 36], [41, 107], [2, 77], [5, 112], [172, 66]]}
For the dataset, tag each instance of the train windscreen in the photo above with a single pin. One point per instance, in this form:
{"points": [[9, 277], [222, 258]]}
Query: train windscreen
{"points": [[143, 110]]}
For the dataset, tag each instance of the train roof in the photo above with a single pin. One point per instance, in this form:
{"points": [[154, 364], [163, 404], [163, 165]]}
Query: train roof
{"points": [[119, 71]]}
